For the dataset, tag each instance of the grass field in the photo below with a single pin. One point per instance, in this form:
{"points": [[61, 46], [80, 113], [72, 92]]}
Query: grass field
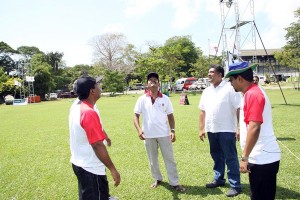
{"points": [[34, 151]]}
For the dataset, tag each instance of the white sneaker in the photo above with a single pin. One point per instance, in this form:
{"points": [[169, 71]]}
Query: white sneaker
{"points": [[113, 198]]}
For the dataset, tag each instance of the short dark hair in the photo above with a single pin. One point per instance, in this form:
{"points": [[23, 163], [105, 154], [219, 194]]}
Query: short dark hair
{"points": [[218, 69], [83, 85], [247, 75]]}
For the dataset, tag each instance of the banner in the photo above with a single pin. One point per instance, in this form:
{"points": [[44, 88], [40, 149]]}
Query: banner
{"points": [[30, 78]]}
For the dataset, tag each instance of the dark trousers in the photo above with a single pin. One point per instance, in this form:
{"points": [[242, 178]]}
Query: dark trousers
{"points": [[263, 180], [91, 186]]}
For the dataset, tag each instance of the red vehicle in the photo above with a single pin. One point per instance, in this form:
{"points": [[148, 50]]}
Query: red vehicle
{"points": [[189, 81]]}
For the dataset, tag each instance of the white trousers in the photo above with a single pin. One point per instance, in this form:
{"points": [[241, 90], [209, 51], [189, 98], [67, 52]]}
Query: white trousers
{"points": [[165, 145]]}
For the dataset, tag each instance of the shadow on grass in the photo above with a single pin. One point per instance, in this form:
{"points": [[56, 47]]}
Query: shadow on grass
{"points": [[284, 193], [202, 191], [285, 138]]}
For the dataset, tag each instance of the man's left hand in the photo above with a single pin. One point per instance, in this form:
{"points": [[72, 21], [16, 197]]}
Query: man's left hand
{"points": [[172, 136], [108, 141], [244, 167]]}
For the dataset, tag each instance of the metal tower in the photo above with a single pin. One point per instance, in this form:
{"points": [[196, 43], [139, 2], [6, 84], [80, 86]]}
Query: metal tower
{"points": [[236, 32]]}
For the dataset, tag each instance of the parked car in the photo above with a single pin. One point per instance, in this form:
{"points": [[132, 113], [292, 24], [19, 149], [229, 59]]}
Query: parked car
{"points": [[137, 86], [9, 99], [53, 96], [184, 83], [140, 86], [66, 95], [198, 85]]}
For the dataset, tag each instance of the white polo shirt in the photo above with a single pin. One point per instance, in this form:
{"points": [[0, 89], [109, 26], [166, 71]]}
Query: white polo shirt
{"points": [[220, 105], [256, 107], [155, 121]]}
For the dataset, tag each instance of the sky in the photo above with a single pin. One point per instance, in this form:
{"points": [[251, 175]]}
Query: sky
{"points": [[69, 26]]}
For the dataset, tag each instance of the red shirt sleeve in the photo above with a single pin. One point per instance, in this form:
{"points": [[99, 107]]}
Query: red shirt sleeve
{"points": [[90, 122], [254, 103]]}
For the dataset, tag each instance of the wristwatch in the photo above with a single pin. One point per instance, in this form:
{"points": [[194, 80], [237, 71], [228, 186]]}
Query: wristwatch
{"points": [[244, 158]]}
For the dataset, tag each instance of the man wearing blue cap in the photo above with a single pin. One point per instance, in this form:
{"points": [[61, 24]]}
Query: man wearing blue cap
{"points": [[260, 150]]}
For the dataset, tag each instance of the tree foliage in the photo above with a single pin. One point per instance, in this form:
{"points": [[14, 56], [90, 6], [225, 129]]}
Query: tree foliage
{"points": [[113, 81], [54, 59], [6, 49], [6, 62], [115, 59], [291, 51], [28, 51], [182, 48], [112, 51], [43, 81], [176, 58]]}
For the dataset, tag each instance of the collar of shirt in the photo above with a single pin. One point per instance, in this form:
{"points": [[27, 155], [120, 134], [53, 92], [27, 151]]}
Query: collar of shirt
{"points": [[223, 82], [148, 94], [87, 103], [251, 86]]}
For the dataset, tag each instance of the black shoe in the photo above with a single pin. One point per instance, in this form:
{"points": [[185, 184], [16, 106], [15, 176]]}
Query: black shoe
{"points": [[214, 184], [233, 192]]}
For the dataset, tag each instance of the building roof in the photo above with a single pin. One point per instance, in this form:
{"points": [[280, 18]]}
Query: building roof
{"points": [[258, 52]]}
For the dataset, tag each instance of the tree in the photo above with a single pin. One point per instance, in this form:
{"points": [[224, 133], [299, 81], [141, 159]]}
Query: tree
{"points": [[28, 51], [43, 82], [5, 57], [7, 63], [3, 79], [37, 60], [113, 81], [108, 50], [151, 61], [182, 48], [6, 49], [290, 55], [54, 59], [128, 59], [40, 69], [172, 60]]}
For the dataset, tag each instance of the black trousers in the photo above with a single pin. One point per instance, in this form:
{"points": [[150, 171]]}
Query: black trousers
{"points": [[91, 186], [262, 180]]}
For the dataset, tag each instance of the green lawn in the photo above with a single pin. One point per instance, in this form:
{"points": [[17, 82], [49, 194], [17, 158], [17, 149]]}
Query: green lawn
{"points": [[34, 151]]}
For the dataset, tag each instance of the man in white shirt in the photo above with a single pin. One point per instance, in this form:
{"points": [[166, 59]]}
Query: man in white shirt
{"points": [[157, 111], [219, 107]]}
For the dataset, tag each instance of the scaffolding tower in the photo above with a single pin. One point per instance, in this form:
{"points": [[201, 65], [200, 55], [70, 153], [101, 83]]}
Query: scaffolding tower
{"points": [[238, 31]]}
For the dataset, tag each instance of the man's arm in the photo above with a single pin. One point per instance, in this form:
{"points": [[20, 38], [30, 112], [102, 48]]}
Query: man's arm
{"points": [[101, 152], [108, 140], [202, 125], [172, 126], [251, 139], [136, 122]]}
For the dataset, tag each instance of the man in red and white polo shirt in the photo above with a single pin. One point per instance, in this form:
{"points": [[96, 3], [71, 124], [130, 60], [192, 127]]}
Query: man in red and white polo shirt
{"points": [[260, 150], [158, 130], [89, 156]]}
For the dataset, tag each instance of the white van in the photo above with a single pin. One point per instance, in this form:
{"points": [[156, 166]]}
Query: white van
{"points": [[179, 84]]}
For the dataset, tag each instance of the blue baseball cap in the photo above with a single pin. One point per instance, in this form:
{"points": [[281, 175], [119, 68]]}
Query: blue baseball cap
{"points": [[237, 68]]}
